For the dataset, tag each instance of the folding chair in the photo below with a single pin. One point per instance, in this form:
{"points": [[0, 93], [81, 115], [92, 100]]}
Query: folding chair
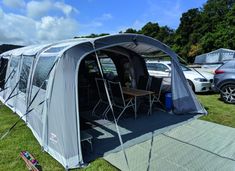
{"points": [[143, 82], [156, 86], [102, 95], [118, 99]]}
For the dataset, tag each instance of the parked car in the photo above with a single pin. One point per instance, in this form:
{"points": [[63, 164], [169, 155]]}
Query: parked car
{"points": [[199, 81], [224, 81]]}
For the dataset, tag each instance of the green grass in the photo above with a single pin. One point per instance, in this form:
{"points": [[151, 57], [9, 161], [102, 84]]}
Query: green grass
{"points": [[218, 111], [21, 138]]}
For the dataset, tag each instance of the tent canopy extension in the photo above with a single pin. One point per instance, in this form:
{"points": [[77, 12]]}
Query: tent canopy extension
{"points": [[44, 81], [217, 56]]}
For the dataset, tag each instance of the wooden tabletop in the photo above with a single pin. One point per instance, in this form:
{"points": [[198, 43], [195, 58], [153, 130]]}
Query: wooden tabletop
{"points": [[135, 92]]}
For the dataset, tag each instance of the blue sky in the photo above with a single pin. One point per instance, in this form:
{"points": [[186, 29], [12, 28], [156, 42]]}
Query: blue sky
{"points": [[32, 21]]}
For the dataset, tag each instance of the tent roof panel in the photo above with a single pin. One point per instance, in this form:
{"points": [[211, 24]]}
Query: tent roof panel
{"points": [[61, 46]]}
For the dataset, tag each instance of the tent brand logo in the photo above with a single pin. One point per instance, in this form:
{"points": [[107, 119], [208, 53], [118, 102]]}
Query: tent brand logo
{"points": [[53, 138]]}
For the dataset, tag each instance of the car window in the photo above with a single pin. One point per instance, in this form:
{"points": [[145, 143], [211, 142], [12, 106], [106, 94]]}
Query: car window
{"points": [[228, 65], [184, 68], [161, 67], [151, 66]]}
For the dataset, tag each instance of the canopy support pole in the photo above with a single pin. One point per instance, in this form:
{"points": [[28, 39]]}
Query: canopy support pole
{"points": [[110, 104]]}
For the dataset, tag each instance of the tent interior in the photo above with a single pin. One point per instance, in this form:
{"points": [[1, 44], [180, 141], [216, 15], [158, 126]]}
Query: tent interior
{"points": [[118, 65]]}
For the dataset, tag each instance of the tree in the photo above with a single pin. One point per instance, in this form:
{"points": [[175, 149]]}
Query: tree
{"points": [[130, 30], [150, 29]]}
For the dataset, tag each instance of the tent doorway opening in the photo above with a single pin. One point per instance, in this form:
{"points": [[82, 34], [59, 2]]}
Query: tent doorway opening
{"points": [[118, 65], [115, 67]]}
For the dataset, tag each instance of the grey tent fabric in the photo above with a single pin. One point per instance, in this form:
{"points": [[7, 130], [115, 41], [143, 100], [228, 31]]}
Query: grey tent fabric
{"points": [[51, 90], [216, 56]]}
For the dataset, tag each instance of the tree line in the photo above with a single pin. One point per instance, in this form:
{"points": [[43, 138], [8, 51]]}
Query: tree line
{"points": [[201, 30]]}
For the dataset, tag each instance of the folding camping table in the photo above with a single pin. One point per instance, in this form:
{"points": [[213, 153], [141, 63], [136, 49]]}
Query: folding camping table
{"points": [[138, 93]]}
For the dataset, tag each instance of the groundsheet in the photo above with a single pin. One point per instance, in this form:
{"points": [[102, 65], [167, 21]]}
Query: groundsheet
{"points": [[195, 145]]}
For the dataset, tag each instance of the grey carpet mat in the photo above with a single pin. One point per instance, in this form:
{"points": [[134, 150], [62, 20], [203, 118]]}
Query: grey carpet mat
{"points": [[133, 131], [196, 145]]}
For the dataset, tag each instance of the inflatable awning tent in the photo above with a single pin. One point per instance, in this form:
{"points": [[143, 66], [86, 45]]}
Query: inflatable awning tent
{"points": [[41, 84], [217, 56]]}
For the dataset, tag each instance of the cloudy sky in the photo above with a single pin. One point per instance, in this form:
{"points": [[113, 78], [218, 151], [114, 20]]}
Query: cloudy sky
{"points": [[27, 22]]}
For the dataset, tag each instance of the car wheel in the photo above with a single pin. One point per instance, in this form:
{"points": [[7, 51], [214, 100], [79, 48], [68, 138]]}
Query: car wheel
{"points": [[191, 85], [228, 93]]}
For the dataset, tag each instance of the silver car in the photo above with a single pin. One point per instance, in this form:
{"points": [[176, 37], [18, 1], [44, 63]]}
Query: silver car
{"points": [[224, 81]]}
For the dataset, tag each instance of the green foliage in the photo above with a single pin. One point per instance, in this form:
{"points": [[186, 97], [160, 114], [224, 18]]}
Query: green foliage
{"points": [[130, 30], [92, 35], [200, 30], [6, 47]]}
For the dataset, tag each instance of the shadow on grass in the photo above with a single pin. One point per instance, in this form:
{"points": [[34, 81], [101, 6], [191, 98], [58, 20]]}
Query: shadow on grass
{"points": [[207, 93]]}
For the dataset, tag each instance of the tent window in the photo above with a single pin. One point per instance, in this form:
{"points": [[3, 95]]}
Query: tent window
{"points": [[14, 66], [14, 63], [55, 49], [3, 69], [108, 66], [27, 63], [42, 69]]}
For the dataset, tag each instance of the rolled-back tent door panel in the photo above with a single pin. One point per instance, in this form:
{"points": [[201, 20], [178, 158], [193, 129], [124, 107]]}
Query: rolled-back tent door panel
{"points": [[13, 74], [184, 99], [63, 124], [21, 103]]}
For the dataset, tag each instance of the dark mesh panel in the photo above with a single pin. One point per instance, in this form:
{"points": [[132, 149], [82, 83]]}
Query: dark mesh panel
{"points": [[116, 92], [155, 84], [101, 89]]}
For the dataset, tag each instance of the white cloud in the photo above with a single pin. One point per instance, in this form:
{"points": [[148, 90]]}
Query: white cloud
{"points": [[38, 9], [14, 3], [52, 28], [45, 21], [1, 13], [65, 8], [23, 30], [16, 29]]}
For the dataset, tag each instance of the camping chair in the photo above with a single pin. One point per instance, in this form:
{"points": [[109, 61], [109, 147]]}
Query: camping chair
{"points": [[156, 86], [102, 95], [118, 99], [143, 82]]}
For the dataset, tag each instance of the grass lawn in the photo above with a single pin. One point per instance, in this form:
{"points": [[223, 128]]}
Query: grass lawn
{"points": [[21, 137], [218, 111]]}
